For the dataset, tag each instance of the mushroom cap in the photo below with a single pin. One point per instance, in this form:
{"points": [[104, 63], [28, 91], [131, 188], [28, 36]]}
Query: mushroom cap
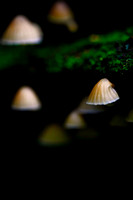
{"points": [[26, 99], [53, 135], [74, 120], [102, 93], [60, 12], [130, 116], [22, 31], [118, 120]]}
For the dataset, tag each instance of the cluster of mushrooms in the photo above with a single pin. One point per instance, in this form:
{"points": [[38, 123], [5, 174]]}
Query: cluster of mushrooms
{"points": [[22, 31], [102, 93]]}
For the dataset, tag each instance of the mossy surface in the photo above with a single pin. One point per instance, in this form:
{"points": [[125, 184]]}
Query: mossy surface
{"points": [[110, 52]]}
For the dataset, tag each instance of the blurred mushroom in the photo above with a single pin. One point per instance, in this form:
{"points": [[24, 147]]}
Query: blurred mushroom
{"points": [[60, 13], [74, 121], [118, 120], [26, 99], [84, 108], [102, 93], [53, 135], [22, 31], [130, 116]]}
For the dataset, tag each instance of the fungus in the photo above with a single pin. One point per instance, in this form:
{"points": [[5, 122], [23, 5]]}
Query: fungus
{"points": [[53, 135], [118, 120], [130, 116], [60, 13], [26, 99], [74, 121], [22, 31], [102, 93], [84, 108]]}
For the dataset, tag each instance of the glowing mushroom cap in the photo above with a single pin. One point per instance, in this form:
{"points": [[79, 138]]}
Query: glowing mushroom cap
{"points": [[53, 135], [102, 93], [60, 12], [22, 31], [74, 120], [26, 99]]}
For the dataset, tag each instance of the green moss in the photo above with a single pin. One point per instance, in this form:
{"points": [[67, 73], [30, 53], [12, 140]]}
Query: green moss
{"points": [[98, 54]]}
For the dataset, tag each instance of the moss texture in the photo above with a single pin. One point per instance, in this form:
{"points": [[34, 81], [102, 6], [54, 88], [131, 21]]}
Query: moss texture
{"points": [[104, 53]]}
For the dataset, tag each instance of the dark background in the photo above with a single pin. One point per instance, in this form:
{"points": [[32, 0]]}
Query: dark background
{"points": [[92, 16]]}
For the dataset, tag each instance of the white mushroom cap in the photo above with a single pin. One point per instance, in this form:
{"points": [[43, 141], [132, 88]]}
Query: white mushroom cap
{"points": [[22, 31], [102, 93], [26, 99]]}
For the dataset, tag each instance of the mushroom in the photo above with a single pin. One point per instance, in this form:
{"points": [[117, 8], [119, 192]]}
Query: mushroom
{"points": [[118, 120], [74, 121], [53, 135], [84, 108], [129, 117], [22, 31], [60, 13], [26, 99], [102, 93]]}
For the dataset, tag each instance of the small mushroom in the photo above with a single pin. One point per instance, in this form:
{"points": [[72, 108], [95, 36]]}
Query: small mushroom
{"points": [[53, 135], [74, 121], [129, 117], [60, 13], [84, 108], [22, 31], [118, 120], [26, 99], [102, 93]]}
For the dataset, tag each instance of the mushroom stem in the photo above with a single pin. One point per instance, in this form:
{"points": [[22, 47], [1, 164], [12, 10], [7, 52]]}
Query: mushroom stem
{"points": [[72, 25]]}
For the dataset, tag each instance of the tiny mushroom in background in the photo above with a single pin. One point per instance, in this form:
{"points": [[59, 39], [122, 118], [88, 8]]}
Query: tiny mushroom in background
{"points": [[60, 13], [74, 121], [84, 108], [129, 117], [22, 31], [53, 135], [102, 93], [26, 99], [118, 120]]}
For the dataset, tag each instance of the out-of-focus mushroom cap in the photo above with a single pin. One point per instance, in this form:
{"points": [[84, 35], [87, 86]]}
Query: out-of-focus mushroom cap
{"points": [[130, 116], [60, 12], [26, 99], [53, 135], [118, 120], [74, 120], [22, 31], [84, 108]]}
